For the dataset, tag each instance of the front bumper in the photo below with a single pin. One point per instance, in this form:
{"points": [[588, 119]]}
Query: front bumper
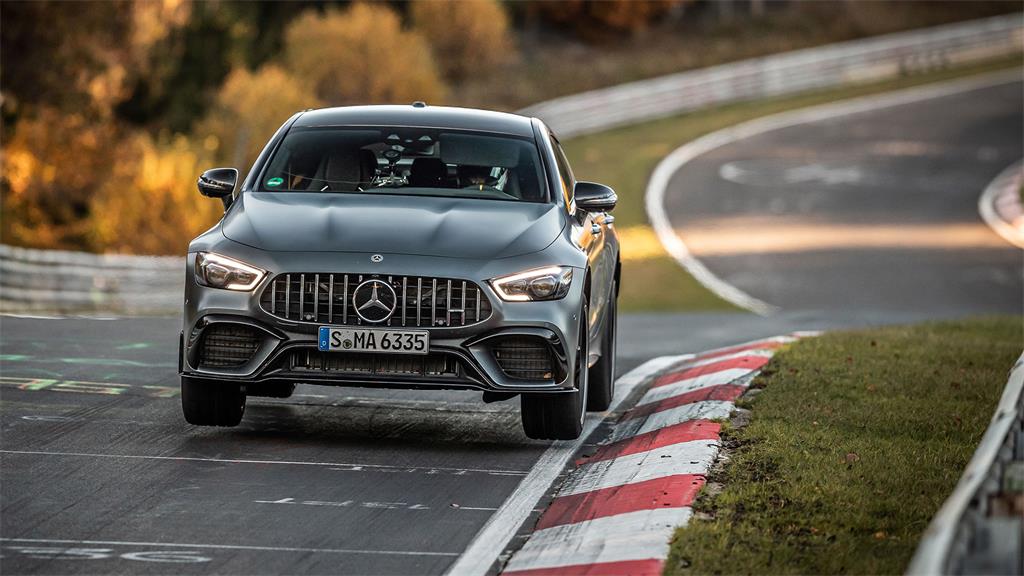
{"points": [[460, 357]]}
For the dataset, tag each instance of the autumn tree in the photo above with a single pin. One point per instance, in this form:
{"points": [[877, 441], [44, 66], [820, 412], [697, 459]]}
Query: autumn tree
{"points": [[150, 204], [468, 37], [248, 109], [599, 19], [360, 55]]}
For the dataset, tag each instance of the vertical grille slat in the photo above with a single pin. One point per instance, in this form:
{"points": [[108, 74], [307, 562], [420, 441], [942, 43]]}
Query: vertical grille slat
{"points": [[344, 299], [392, 316], [433, 302], [405, 285], [330, 299], [448, 304], [287, 295], [477, 292], [315, 297], [462, 312]]}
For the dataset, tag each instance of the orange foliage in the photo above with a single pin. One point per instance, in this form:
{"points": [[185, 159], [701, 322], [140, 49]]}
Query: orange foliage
{"points": [[469, 37], [361, 55], [249, 108], [78, 185], [150, 205], [51, 166]]}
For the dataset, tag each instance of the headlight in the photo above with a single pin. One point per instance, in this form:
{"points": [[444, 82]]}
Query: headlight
{"points": [[549, 283], [218, 271]]}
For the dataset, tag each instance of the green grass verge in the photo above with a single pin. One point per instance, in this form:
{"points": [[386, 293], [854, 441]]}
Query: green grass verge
{"points": [[854, 443], [625, 157]]}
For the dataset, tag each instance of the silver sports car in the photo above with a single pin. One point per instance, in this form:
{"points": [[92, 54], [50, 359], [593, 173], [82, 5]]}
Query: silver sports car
{"points": [[405, 247]]}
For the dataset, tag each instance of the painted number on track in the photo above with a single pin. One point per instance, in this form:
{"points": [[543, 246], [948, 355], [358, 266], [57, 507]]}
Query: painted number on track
{"points": [[61, 553]]}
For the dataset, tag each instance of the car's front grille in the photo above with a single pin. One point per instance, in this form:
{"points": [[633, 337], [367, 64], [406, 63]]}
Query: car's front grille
{"points": [[524, 357], [434, 365], [419, 300], [226, 345]]}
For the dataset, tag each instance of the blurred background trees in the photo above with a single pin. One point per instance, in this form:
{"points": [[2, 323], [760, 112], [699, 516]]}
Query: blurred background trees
{"points": [[467, 38], [603, 20], [248, 108], [361, 54], [111, 108]]}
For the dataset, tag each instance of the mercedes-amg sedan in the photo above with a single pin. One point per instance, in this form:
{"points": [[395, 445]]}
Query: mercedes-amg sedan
{"points": [[405, 247]]}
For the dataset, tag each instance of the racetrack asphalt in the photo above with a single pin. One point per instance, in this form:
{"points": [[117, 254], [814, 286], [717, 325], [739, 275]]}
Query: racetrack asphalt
{"points": [[100, 474], [355, 481], [874, 211]]}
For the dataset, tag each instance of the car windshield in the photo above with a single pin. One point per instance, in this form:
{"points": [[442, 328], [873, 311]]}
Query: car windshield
{"points": [[406, 161]]}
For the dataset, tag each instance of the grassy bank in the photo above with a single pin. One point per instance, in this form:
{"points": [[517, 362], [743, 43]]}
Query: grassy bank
{"points": [[854, 443], [624, 158]]}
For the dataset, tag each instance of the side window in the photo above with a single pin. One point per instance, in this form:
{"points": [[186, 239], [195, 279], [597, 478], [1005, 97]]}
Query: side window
{"points": [[564, 172]]}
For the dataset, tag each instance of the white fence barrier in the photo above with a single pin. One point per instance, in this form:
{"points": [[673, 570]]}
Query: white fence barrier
{"points": [[870, 59], [59, 281], [969, 535], [43, 280]]}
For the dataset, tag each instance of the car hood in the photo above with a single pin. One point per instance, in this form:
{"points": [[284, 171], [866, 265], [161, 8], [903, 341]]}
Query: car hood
{"points": [[395, 224]]}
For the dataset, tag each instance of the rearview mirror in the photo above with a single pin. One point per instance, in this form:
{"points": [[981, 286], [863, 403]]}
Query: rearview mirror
{"points": [[594, 197]]}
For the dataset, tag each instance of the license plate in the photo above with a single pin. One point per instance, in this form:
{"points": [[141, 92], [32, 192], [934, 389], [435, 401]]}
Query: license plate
{"points": [[373, 340]]}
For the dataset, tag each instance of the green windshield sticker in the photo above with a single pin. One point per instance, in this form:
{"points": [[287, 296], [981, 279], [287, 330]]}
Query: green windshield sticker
{"points": [[275, 182]]}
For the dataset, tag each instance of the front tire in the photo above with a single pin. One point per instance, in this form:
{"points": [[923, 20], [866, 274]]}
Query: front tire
{"points": [[559, 416], [602, 374], [211, 402]]}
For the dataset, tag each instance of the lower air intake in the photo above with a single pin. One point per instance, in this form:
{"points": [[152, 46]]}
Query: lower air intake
{"points": [[433, 365], [524, 357], [228, 345]]}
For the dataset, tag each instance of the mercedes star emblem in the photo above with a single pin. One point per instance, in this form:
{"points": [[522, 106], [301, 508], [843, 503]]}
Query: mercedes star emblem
{"points": [[374, 300], [376, 258]]}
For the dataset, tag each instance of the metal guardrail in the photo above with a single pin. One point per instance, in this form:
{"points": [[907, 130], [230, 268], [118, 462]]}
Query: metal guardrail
{"points": [[56, 281], [870, 59], [61, 281], [980, 527]]}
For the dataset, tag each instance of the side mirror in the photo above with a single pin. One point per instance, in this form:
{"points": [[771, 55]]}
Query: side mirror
{"points": [[218, 183], [594, 197]]}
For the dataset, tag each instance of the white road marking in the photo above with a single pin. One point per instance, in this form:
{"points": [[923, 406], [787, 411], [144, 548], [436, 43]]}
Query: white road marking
{"points": [[691, 384], [703, 410], [987, 210], [753, 174], [64, 553], [784, 339], [60, 317], [347, 504], [657, 186], [631, 536], [229, 547], [175, 557], [492, 539], [763, 352], [334, 465], [694, 457]]}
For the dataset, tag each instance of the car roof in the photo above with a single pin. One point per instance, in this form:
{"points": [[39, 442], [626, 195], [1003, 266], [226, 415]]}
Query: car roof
{"points": [[419, 115]]}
